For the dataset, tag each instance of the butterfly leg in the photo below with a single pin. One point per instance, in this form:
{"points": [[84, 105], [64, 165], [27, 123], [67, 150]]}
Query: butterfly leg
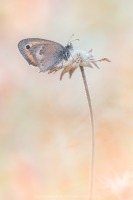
{"points": [[62, 64], [54, 69]]}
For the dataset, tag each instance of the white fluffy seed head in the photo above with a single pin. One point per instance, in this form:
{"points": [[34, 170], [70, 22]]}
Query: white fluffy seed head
{"points": [[79, 53]]}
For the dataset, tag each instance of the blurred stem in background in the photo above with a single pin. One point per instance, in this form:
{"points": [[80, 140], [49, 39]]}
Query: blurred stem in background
{"points": [[92, 168]]}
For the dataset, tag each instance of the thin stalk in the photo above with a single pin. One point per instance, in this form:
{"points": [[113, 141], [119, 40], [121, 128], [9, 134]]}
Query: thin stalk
{"points": [[92, 167]]}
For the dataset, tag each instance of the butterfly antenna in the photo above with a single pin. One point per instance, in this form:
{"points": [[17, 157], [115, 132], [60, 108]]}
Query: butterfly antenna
{"points": [[75, 40], [70, 38]]}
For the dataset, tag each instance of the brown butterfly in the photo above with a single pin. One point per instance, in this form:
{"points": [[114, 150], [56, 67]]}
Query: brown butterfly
{"points": [[44, 54]]}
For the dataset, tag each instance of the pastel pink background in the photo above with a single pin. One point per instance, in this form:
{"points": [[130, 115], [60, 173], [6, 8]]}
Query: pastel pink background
{"points": [[44, 122]]}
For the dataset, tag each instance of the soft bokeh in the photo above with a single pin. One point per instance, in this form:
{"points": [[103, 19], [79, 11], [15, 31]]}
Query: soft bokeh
{"points": [[44, 122]]}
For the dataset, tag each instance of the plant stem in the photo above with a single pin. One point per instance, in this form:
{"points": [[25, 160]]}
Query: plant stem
{"points": [[92, 167]]}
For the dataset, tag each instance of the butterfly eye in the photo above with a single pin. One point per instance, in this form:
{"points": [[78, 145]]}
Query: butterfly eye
{"points": [[27, 46]]}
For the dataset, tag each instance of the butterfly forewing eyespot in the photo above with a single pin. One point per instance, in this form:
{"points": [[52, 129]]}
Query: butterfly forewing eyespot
{"points": [[28, 46]]}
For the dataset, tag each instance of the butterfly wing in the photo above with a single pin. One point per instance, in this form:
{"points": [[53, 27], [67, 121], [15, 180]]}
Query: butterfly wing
{"points": [[47, 55], [44, 54]]}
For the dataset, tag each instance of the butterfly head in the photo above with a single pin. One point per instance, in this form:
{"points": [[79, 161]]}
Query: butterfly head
{"points": [[69, 46], [67, 53]]}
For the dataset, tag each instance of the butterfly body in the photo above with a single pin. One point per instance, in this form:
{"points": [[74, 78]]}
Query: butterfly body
{"points": [[44, 54]]}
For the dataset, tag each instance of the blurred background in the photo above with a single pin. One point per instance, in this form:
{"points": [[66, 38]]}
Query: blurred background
{"points": [[45, 132]]}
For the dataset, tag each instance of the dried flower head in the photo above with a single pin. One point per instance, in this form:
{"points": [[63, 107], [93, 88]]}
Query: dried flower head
{"points": [[120, 187], [77, 59]]}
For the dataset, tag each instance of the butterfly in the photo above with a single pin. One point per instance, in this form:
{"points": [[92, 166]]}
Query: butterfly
{"points": [[44, 54]]}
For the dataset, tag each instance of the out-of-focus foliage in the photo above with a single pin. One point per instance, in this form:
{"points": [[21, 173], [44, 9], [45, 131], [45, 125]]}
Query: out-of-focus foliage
{"points": [[44, 122]]}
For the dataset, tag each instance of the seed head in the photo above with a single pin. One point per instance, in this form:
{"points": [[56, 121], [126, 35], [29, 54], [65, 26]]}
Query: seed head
{"points": [[77, 59]]}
